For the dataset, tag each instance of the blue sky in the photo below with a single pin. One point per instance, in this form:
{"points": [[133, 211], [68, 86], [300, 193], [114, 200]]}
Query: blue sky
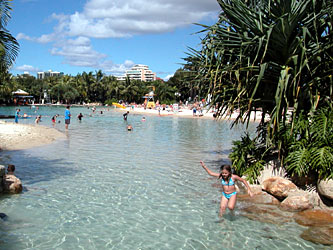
{"points": [[73, 36]]}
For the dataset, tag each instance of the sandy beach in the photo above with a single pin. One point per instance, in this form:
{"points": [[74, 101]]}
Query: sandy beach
{"points": [[22, 136], [185, 112]]}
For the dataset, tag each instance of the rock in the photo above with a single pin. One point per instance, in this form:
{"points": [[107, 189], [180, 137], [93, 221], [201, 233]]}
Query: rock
{"points": [[314, 218], [319, 235], [296, 203], [12, 184], [278, 187], [325, 188]]}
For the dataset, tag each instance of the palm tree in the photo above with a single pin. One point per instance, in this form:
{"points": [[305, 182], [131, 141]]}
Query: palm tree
{"points": [[9, 47]]}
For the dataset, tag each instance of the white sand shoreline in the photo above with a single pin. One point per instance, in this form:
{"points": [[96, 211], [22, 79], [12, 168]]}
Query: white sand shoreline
{"points": [[187, 113], [23, 136]]}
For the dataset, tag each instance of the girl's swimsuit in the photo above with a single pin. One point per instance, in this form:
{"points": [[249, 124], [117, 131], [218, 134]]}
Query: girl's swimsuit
{"points": [[230, 183]]}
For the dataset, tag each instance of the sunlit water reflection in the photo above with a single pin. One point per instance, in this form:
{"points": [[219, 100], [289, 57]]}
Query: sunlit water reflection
{"points": [[104, 187]]}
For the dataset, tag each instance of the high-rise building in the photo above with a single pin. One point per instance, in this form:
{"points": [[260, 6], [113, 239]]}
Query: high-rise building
{"points": [[139, 72], [49, 73]]}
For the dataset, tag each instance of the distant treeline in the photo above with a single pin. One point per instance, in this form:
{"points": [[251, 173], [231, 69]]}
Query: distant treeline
{"points": [[98, 87]]}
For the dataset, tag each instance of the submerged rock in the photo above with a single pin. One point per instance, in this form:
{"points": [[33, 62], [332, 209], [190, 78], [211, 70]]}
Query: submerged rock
{"points": [[266, 214], [319, 235]]}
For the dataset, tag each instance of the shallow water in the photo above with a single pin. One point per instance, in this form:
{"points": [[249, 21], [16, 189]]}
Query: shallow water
{"points": [[104, 187]]}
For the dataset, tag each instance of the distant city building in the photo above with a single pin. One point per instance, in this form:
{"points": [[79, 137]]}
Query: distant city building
{"points": [[139, 72], [49, 73]]}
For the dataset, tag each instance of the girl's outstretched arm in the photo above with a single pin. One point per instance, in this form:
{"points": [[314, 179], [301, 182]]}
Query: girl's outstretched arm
{"points": [[208, 170], [245, 183]]}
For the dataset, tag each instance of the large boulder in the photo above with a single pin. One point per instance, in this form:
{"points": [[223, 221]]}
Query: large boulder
{"points": [[12, 184], [278, 187], [325, 188]]}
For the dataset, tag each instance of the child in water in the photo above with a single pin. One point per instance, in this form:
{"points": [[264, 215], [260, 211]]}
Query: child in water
{"points": [[229, 193]]}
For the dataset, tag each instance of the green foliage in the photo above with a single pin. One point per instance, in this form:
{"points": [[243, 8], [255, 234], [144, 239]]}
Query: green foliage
{"points": [[313, 149], [9, 46], [307, 148], [274, 56], [248, 157], [270, 54]]}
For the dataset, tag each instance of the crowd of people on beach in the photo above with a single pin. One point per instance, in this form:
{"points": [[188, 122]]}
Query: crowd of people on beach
{"points": [[196, 108]]}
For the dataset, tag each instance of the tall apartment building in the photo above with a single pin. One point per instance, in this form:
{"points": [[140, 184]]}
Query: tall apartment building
{"points": [[49, 73], [139, 72]]}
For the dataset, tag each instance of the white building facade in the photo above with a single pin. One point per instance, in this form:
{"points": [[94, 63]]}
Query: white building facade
{"points": [[49, 73], [139, 72]]}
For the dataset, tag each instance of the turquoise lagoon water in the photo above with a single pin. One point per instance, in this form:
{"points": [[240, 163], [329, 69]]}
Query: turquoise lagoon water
{"points": [[104, 187]]}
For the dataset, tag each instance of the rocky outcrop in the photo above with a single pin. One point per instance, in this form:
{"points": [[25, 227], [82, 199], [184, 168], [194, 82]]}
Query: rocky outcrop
{"points": [[278, 187], [9, 183], [12, 184]]}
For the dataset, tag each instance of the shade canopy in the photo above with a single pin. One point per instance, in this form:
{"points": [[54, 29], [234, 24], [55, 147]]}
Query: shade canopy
{"points": [[20, 92]]}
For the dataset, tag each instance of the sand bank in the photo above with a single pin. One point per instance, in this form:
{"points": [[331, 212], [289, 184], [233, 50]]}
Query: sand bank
{"points": [[22, 136]]}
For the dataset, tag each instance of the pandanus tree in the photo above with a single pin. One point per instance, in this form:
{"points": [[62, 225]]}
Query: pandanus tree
{"points": [[272, 55]]}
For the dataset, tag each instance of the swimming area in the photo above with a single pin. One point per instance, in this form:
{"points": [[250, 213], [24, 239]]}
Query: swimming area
{"points": [[105, 187]]}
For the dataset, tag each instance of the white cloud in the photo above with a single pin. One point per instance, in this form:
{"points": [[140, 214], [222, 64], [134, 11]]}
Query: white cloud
{"points": [[27, 68], [123, 18], [21, 36], [42, 39], [79, 52], [167, 77]]}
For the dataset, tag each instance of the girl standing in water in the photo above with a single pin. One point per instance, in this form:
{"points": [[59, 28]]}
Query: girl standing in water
{"points": [[229, 193]]}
